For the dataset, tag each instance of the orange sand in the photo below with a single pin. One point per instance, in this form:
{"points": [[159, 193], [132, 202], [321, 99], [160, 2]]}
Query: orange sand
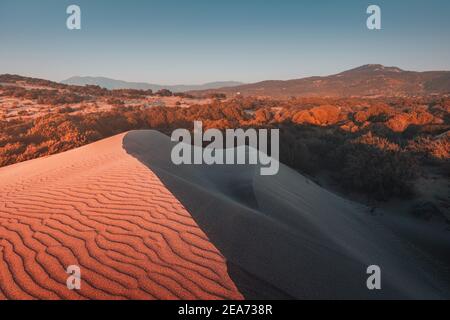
{"points": [[101, 209]]}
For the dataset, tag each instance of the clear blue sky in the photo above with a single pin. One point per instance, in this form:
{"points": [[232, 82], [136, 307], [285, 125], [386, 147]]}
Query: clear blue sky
{"points": [[196, 41]]}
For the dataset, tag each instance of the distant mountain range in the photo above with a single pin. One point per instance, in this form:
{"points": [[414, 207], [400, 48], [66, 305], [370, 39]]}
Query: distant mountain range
{"points": [[119, 84], [367, 80], [370, 80]]}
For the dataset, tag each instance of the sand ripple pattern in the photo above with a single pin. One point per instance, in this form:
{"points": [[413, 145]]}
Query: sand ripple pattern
{"points": [[101, 209]]}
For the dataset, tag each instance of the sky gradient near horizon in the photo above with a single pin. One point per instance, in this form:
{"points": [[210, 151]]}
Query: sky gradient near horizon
{"points": [[198, 41]]}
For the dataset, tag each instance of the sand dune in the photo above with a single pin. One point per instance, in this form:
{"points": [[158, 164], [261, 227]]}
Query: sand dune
{"points": [[143, 228], [284, 236], [101, 209]]}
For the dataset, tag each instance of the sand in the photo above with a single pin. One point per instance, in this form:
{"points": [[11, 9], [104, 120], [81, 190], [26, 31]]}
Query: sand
{"points": [[101, 209], [286, 237], [142, 228]]}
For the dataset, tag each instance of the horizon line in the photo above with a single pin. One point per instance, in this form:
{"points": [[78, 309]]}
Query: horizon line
{"points": [[214, 81]]}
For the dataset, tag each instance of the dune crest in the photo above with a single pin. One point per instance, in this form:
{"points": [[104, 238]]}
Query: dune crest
{"points": [[101, 209]]}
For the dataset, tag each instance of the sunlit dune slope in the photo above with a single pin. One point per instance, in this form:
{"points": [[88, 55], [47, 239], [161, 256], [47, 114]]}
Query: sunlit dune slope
{"points": [[101, 209]]}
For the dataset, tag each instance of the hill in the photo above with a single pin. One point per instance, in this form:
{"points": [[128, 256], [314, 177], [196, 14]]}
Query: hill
{"points": [[368, 80]]}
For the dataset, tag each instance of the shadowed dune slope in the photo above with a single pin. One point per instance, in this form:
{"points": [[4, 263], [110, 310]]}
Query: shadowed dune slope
{"points": [[284, 236], [101, 209]]}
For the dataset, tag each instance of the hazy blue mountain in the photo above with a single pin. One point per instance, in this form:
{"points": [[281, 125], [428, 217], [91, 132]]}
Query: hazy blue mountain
{"points": [[119, 84]]}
